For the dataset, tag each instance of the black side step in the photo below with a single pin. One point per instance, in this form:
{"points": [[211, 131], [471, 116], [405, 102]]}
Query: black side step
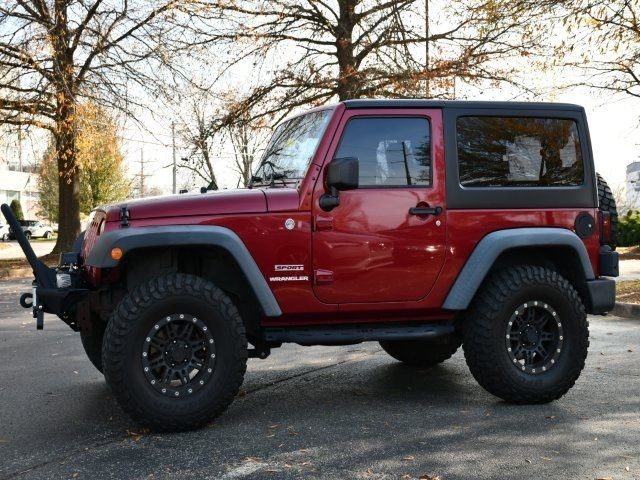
{"points": [[336, 335]]}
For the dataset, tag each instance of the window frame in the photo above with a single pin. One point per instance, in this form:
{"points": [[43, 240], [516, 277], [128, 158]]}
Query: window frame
{"points": [[386, 117], [518, 197]]}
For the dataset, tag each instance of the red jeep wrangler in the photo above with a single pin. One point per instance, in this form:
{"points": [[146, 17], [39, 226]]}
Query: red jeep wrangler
{"points": [[423, 225]]}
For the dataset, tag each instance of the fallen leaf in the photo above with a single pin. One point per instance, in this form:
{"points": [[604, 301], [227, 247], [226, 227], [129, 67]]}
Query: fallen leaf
{"points": [[76, 372], [135, 436], [429, 477], [630, 350], [627, 468], [409, 458], [369, 471], [601, 353], [251, 459], [545, 458], [275, 425], [304, 450], [551, 417], [75, 475], [271, 436], [604, 478], [527, 460]]}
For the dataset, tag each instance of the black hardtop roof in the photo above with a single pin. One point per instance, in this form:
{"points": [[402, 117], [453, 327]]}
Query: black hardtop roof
{"points": [[462, 104]]}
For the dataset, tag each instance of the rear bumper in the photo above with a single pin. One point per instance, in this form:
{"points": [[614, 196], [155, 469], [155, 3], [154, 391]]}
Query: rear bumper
{"points": [[601, 295]]}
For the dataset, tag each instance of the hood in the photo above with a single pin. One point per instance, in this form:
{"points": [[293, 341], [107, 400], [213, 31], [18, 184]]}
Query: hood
{"points": [[218, 202]]}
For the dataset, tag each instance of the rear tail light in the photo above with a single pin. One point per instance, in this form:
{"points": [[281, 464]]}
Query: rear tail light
{"points": [[605, 226]]}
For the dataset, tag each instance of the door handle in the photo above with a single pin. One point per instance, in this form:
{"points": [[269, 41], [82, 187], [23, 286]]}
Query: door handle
{"points": [[425, 211]]}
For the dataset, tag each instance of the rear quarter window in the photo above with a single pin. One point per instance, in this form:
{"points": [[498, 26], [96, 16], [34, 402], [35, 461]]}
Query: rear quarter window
{"points": [[498, 151]]}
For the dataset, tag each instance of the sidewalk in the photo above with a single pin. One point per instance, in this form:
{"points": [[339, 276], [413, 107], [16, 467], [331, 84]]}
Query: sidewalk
{"points": [[629, 270]]}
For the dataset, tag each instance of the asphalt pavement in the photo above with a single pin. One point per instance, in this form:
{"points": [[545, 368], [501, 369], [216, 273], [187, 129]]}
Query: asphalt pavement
{"points": [[318, 413]]}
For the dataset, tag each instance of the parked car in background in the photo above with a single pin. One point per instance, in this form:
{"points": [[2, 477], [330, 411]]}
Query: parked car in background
{"points": [[33, 229], [4, 233]]}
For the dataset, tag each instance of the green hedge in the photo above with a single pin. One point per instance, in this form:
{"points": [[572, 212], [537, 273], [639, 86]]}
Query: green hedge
{"points": [[629, 229]]}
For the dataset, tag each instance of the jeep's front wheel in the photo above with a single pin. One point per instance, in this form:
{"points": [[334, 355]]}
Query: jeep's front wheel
{"points": [[175, 352], [526, 335], [423, 353]]}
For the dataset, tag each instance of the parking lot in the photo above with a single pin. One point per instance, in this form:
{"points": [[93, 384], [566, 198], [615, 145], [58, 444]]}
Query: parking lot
{"points": [[320, 412]]}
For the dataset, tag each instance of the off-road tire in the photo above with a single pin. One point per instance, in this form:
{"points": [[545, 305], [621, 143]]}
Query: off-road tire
{"points": [[423, 353], [93, 343], [487, 321], [123, 344], [607, 203], [46, 235]]}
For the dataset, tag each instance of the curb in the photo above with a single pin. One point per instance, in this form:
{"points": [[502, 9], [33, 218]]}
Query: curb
{"points": [[627, 310]]}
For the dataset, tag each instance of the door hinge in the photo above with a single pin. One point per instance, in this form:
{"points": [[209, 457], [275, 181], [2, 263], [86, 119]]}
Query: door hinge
{"points": [[323, 277]]}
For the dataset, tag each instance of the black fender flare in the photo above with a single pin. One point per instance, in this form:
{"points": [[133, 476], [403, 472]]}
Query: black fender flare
{"points": [[132, 238], [495, 243]]}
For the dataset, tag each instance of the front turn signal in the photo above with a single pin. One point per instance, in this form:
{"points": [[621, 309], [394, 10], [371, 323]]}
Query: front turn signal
{"points": [[116, 253]]}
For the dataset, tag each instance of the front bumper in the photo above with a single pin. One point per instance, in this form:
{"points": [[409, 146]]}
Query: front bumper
{"points": [[58, 301]]}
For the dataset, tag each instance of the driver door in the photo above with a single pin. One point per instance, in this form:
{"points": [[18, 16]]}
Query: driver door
{"points": [[372, 248]]}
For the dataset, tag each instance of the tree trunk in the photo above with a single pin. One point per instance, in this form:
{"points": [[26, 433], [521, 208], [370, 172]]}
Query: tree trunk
{"points": [[66, 121], [68, 181], [349, 85]]}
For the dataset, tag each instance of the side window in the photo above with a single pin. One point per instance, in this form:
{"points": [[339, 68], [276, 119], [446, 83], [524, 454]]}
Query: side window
{"points": [[391, 151], [512, 152]]}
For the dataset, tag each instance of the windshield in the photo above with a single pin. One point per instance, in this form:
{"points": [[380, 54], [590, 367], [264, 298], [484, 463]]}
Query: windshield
{"points": [[291, 149]]}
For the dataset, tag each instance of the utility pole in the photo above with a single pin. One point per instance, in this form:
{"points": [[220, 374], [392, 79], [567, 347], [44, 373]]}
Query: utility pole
{"points": [[426, 45], [173, 136], [142, 175]]}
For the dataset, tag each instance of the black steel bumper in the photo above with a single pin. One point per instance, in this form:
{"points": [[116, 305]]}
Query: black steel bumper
{"points": [[55, 290], [601, 293]]}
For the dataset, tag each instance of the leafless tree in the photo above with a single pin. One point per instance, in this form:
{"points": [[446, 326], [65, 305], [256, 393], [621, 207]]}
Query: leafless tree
{"points": [[312, 51], [55, 54], [605, 36], [199, 135]]}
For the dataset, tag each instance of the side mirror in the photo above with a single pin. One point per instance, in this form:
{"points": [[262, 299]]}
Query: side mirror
{"points": [[342, 174]]}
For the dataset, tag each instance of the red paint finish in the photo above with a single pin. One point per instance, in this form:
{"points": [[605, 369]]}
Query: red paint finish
{"points": [[193, 204], [372, 260]]}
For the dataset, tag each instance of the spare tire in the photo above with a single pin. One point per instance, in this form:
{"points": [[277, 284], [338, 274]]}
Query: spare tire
{"points": [[607, 203]]}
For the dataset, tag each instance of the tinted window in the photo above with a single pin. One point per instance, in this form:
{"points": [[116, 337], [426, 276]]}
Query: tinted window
{"points": [[501, 151], [391, 151]]}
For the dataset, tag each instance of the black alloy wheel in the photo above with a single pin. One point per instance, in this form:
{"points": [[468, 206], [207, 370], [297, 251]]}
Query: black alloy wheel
{"points": [[534, 337], [178, 355]]}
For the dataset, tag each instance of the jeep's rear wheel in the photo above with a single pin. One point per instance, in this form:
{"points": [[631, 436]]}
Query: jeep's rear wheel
{"points": [[92, 343], [423, 353], [526, 335], [175, 352]]}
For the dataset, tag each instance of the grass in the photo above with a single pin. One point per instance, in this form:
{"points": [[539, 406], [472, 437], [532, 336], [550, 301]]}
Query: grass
{"points": [[628, 291], [629, 253], [50, 259]]}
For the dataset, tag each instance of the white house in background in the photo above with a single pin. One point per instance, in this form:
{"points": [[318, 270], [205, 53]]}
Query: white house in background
{"points": [[632, 186], [20, 185]]}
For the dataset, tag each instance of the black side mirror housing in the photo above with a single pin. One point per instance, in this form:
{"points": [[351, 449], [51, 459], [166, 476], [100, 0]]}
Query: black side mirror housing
{"points": [[342, 174]]}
